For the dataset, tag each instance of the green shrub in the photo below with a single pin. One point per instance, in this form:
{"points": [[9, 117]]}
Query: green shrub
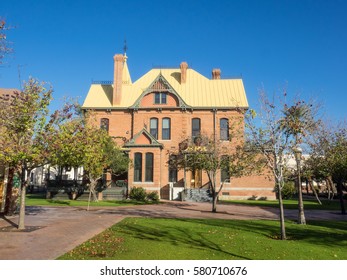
{"points": [[288, 190], [153, 196], [138, 194]]}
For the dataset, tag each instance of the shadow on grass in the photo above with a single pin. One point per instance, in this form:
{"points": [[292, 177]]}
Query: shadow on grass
{"points": [[316, 232], [188, 234], [176, 236], [291, 204]]}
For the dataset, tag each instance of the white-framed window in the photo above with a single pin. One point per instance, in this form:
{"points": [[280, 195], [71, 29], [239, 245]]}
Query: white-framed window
{"points": [[166, 129], [153, 127], [160, 98], [224, 129]]}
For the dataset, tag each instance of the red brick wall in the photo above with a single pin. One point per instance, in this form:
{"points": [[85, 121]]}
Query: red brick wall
{"points": [[120, 124], [148, 101]]}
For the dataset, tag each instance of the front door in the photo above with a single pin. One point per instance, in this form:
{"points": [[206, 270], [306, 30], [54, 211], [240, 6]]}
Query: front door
{"points": [[196, 179]]}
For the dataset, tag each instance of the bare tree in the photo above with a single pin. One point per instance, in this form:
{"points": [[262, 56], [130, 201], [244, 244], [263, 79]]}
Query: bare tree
{"points": [[4, 43], [264, 130]]}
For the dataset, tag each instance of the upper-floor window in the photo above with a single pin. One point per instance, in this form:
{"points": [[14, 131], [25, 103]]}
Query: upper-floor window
{"points": [[166, 129], [160, 98], [149, 167], [104, 124], [154, 127], [138, 167], [196, 127], [224, 129]]}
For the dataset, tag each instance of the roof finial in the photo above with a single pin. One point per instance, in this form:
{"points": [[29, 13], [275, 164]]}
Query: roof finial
{"points": [[125, 48]]}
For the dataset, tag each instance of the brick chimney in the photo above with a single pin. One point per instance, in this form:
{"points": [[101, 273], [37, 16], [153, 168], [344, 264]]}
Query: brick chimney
{"points": [[184, 67], [216, 74], [117, 79]]}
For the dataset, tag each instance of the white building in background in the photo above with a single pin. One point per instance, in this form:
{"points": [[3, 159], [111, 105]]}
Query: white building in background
{"points": [[39, 175]]}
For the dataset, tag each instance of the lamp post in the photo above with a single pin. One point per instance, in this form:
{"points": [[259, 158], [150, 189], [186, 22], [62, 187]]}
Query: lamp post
{"points": [[298, 153]]}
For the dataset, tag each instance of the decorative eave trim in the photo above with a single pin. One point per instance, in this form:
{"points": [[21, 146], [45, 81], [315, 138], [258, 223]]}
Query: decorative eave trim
{"points": [[154, 142], [190, 108], [106, 108], [219, 108], [160, 78]]}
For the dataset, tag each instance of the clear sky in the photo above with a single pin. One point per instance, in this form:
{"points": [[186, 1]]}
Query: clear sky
{"points": [[300, 44]]}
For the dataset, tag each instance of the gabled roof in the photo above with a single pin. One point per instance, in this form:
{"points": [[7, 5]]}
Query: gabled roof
{"points": [[197, 92], [126, 79], [143, 139], [162, 83]]}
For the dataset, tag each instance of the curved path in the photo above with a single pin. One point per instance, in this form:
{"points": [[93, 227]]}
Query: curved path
{"points": [[52, 231]]}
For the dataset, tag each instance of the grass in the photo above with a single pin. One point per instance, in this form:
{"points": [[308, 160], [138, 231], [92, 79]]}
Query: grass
{"points": [[195, 239], [40, 200], [289, 204]]}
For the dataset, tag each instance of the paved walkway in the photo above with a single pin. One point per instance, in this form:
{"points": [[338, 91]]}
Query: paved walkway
{"points": [[52, 231]]}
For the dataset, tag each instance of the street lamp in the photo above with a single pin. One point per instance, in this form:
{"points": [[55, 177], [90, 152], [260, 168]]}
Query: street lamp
{"points": [[298, 153]]}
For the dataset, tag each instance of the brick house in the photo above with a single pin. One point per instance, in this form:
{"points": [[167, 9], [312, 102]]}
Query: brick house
{"points": [[153, 115]]}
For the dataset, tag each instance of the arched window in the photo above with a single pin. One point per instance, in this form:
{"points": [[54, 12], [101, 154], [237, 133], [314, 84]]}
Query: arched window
{"points": [[138, 167], [149, 167], [196, 127], [166, 129], [224, 129], [153, 129], [104, 124]]}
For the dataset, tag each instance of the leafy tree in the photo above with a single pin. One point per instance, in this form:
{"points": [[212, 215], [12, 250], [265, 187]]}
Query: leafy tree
{"points": [[309, 173], [65, 137], [299, 120], [23, 122], [212, 156], [77, 142], [329, 156]]}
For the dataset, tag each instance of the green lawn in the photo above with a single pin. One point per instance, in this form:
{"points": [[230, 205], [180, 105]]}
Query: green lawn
{"points": [[289, 204], [40, 200], [192, 239]]}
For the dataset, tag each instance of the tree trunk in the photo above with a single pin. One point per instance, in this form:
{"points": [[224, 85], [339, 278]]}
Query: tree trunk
{"points": [[10, 202], [214, 196], [21, 221], [328, 188], [340, 194], [212, 179], [330, 184], [214, 203], [318, 187], [92, 185], [314, 191], [282, 222], [301, 214]]}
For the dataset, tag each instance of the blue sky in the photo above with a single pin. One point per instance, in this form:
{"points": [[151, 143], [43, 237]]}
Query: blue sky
{"points": [[300, 44]]}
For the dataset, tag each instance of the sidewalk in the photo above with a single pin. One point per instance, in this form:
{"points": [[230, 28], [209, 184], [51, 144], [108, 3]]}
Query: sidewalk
{"points": [[52, 231]]}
